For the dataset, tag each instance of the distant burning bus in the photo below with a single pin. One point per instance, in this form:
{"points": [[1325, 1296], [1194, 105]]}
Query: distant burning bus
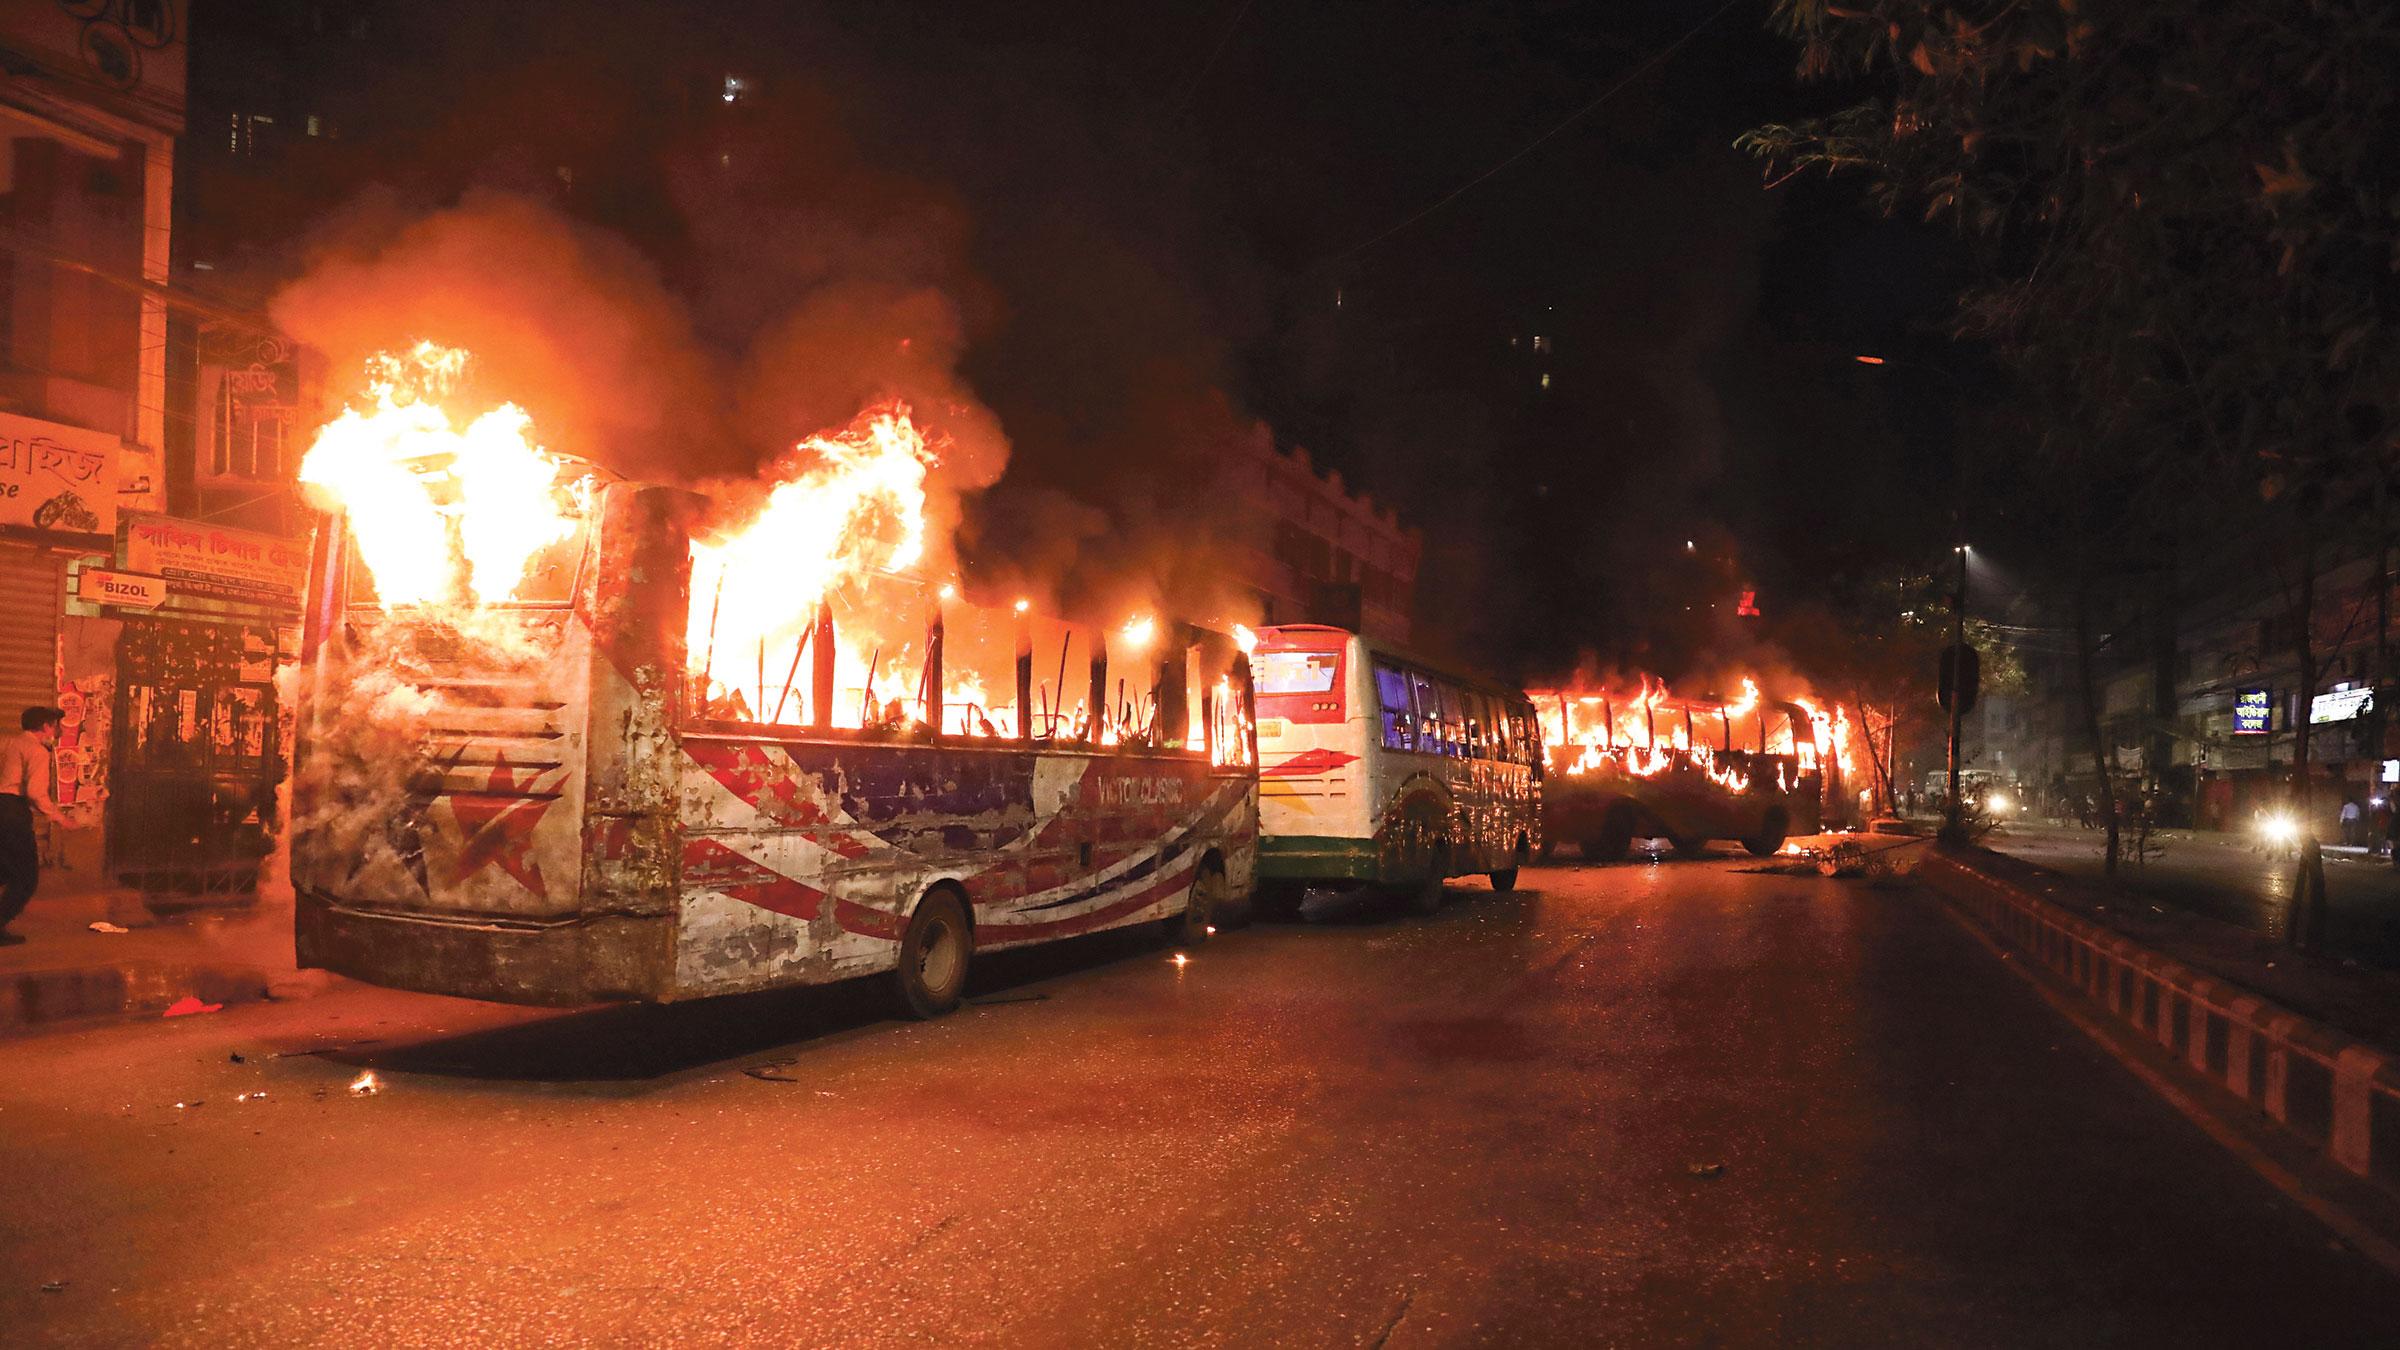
{"points": [[649, 761], [1647, 765], [1378, 767]]}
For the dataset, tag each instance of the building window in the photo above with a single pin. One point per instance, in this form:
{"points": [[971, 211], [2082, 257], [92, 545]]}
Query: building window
{"points": [[252, 429]]}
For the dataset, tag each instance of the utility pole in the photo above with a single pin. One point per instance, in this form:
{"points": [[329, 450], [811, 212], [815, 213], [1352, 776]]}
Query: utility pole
{"points": [[1953, 821]]}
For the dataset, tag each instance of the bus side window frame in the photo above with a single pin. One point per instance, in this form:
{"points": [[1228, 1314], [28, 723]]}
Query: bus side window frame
{"points": [[1387, 673]]}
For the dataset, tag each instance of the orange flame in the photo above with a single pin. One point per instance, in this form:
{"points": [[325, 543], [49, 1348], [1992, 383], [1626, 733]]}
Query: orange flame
{"points": [[1647, 733], [443, 514]]}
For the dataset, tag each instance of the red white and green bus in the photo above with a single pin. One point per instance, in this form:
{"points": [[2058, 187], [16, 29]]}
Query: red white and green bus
{"points": [[1378, 767], [587, 792]]}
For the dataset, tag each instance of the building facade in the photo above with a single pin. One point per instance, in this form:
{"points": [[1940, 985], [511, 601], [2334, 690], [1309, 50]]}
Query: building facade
{"points": [[1318, 552], [90, 108], [2201, 711]]}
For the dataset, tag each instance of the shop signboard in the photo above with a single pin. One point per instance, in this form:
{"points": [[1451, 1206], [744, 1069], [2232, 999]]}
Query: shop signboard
{"points": [[2253, 712], [57, 478], [2340, 705], [216, 561], [97, 587]]}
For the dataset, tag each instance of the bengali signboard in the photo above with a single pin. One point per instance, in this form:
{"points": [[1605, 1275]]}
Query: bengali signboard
{"points": [[55, 477], [2340, 706], [216, 561], [2253, 712]]}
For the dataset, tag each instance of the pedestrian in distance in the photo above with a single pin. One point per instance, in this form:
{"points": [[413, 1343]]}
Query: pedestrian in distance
{"points": [[2351, 816], [28, 774]]}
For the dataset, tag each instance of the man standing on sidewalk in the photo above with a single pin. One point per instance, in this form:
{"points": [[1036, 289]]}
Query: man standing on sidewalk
{"points": [[26, 775]]}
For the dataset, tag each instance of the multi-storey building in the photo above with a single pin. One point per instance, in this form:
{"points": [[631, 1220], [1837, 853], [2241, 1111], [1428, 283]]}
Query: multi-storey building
{"points": [[2204, 710], [90, 108], [1321, 554]]}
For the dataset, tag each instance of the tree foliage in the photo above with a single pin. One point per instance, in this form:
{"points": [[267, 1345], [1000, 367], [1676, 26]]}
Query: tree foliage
{"points": [[2188, 215], [2187, 226]]}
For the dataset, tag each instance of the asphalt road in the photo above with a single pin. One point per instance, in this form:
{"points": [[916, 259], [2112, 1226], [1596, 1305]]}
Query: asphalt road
{"points": [[1632, 1105], [2233, 881]]}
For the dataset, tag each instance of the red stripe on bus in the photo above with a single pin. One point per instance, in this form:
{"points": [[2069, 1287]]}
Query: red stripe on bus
{"points": [[998, 934], [712, 866], [1308, 763]]}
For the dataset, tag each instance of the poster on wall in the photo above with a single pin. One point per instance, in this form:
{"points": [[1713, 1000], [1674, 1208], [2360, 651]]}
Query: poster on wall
{"points": [[56, 477]]}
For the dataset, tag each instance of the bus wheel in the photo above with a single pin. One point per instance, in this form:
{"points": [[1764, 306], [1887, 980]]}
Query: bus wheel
{"points": [[1278, 900], [1200, 908], [933, 955], [1613, 841], [1770, 836], [1505, 879], [1427, 897]]}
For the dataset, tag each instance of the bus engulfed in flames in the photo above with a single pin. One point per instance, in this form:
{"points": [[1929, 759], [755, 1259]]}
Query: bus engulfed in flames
{"points": [[451, 518], [565, 737], [1645, 763]]}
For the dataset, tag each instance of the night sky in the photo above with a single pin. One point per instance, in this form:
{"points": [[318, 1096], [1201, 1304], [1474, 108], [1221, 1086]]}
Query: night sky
{"points": [[1159, 221]]}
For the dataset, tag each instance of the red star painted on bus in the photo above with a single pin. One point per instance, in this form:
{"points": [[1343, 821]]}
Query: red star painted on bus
{"points": [[500, 830]]}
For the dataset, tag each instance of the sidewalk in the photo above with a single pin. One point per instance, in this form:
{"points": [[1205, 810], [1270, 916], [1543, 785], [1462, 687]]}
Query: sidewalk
{"points": [[2229, 877], [64, 970], [2356, 999]]}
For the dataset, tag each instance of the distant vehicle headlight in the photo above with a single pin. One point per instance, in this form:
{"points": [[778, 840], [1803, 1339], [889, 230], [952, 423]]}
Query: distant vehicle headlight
{"points": [[1999, 804], [2279, 828]]}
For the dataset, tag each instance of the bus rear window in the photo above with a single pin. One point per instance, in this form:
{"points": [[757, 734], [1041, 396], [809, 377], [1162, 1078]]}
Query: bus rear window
{"points": [[1299, 686]]}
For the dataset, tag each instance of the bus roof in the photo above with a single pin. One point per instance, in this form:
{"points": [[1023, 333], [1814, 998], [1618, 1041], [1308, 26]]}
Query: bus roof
{"points": [[1481, 683]]}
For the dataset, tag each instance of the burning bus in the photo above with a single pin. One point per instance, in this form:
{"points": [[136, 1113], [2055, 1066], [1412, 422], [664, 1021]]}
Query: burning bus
{"points": [[566, 738], [1649, 765]]}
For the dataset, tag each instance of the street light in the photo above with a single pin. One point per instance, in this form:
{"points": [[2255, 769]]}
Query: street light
{"points": [[1958, 658], [1953, 819]]}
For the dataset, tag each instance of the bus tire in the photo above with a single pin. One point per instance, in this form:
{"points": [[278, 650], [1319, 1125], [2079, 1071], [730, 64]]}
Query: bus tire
{"points": [[934, 953], [1771, 833], [1427, 896], [1613, 840], [1504, 879], [1201, 905], [1278, 900]]}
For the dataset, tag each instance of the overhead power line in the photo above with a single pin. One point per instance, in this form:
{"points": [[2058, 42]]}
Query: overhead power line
{"points": [[1651, 63]]}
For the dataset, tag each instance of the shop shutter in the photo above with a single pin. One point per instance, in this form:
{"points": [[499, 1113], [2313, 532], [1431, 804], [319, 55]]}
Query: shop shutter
{"points": [[32, 591]]}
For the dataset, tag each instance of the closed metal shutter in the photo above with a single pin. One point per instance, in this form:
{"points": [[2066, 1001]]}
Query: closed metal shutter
{"points": [[32, 591]]}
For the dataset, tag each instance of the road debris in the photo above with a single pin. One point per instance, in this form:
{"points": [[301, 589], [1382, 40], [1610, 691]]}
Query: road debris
{"points": [[188, 1005], [766, 1073], [54, 1286], [1710, 1170], [104, 926], [366, 1084]]}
